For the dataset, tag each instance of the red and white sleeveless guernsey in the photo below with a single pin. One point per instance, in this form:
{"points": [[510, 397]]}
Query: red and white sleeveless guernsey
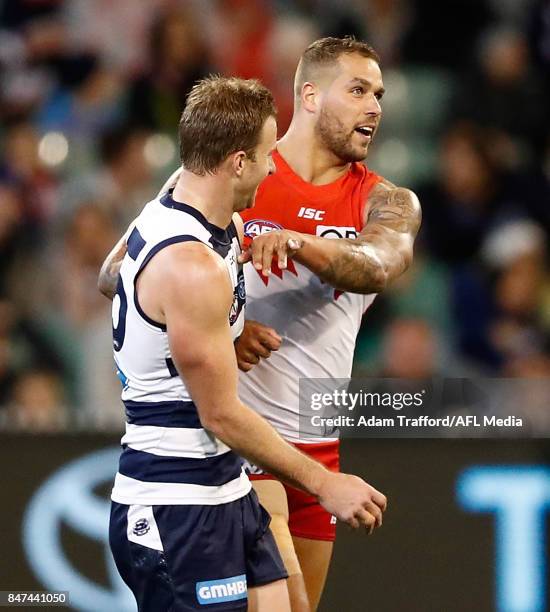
{"points": [[318, 324]]}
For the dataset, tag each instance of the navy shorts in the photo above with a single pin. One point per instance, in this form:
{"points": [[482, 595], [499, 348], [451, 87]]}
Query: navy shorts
{"points": [[179, 558]]}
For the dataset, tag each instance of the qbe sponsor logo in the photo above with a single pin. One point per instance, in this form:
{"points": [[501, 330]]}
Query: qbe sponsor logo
{"points": [[259, 227], [335, 231], [225, 589]]}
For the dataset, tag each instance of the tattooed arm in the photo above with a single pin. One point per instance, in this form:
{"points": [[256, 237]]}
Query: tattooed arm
{"points": [[380, 253]]}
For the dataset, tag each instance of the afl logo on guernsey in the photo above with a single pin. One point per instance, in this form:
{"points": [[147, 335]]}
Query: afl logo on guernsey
{"points": [[258, 227]]}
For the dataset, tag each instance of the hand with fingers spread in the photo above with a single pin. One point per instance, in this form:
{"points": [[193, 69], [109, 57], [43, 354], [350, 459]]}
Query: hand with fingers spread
{"points": [[281, 244], [352, 500], [256, 341]]}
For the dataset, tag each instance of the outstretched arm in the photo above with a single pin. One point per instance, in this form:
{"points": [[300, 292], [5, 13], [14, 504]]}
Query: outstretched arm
{"points": [[380, 253]]}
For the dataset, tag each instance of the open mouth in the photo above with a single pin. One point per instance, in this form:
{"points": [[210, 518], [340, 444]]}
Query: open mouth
{"points": [[365, 131]]}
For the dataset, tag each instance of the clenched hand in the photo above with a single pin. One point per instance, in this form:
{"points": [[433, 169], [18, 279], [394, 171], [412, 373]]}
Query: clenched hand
{"points": [[256, 341]]}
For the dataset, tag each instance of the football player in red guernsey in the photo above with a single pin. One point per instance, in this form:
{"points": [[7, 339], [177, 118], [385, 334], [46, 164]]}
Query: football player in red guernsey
{"points": [[325, 235], [328, 234]]}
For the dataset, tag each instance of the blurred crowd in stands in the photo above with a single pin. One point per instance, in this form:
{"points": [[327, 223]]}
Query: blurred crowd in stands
{"points": [[90, 96]]}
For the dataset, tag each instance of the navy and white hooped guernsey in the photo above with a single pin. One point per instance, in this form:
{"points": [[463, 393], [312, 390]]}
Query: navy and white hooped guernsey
{"points": [[167, 456]]}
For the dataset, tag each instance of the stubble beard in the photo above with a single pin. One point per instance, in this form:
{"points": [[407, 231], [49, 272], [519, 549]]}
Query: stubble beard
{"points": [[337, 139]]}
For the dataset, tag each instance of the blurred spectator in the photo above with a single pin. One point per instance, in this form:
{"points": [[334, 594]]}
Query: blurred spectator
{"points": [[241, 34], [121, 184], [116, 31], [505, 73], [33, 39], [86, 102], [386, 22], [423, 292], [516, 253], [178, 57], [445, 33], [11, 222], [88, 238], [23, 346], [470, 198], [37, 404], [460, 205], [410, 350], [37, 186], [289, 39]]}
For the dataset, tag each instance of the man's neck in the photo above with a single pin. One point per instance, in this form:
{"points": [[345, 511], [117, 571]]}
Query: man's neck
{"points": [[308, 157], [210, 194]]}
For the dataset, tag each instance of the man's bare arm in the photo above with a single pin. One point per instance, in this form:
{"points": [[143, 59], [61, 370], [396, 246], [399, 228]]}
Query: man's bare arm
{"points": [[380, 253], [108, 275], [201, 345]]}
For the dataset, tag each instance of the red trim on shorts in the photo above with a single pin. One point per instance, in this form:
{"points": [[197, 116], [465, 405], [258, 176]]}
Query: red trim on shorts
{"points": [[307, 518]]}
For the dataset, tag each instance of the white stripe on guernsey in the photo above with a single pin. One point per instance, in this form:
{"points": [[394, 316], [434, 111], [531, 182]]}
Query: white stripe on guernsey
{"points": [[173, 441], [131, 491], [142, 527]]}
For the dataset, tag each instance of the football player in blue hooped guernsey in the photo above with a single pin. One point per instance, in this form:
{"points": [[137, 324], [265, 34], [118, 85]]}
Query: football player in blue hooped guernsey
{"points": [[186, 529]]}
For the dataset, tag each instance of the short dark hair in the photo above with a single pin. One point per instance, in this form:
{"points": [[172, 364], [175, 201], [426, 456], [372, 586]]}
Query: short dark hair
{"points": [[325, 52], [222, 115]]}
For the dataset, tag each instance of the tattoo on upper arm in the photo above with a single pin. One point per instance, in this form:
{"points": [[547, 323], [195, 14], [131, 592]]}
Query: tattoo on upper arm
{"points": [[383, 250], [394, 208]]}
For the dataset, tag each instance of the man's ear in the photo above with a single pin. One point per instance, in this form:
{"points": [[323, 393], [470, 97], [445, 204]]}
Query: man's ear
{"points": [[310, 97], [238, 161]]}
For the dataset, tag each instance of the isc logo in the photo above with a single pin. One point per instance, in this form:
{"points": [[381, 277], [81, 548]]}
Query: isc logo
{"points": [[311, 213], [258, 227]]}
